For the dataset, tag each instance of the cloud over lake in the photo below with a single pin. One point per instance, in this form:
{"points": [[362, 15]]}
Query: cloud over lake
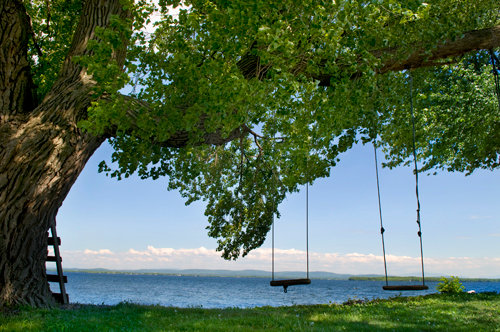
{"points": [[285, 260]]}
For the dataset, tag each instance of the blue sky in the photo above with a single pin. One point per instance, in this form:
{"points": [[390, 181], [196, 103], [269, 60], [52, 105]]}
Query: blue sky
{"points": [[133, 223]]}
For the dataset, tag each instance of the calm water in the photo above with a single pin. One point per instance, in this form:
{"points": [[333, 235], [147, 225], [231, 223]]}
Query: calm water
{"points": [[216, 292]]}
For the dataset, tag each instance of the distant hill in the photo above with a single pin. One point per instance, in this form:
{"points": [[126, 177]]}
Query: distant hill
{"points": [[416, 279], [222, 273]]}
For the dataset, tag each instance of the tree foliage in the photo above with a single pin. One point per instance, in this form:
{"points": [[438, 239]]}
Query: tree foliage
{"points": [[53, 24], [291, 85], [457, 117]]}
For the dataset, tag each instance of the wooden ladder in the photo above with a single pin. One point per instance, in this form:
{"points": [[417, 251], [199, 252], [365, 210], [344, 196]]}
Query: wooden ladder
{"points": [[55, 242]]}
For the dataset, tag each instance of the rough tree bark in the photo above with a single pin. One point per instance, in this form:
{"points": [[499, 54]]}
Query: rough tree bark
{"points": [[42, 151]]}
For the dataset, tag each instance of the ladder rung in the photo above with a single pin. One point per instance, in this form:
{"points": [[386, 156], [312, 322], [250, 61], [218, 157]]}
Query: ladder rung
{"points": [[60, 299], [53, 259], [51, 242], [55, 278]]}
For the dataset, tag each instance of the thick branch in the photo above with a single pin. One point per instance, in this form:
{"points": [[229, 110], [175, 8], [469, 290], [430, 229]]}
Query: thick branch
{"points": [[17, 94], [180, 138], [470, 41]]}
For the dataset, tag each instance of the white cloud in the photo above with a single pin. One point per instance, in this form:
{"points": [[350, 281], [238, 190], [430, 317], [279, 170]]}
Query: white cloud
{"points": [[285, 260], [98, 252]]}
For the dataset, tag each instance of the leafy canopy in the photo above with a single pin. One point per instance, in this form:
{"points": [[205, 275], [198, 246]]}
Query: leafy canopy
{"points": [[252, 70], [457, 118], [53, 25]]}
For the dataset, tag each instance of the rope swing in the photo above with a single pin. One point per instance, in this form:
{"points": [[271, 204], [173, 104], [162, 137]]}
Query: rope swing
{"points": [[292, 282], [419, 233]]}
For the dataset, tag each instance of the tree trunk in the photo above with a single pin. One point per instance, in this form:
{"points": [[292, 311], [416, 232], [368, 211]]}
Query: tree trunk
{"points": [[42, 151], [38, 166]]}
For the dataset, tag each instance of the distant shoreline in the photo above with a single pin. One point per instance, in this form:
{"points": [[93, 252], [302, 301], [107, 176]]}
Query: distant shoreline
{"points": [[418, 279], [216, 273], [172, 274], [265, 274]]}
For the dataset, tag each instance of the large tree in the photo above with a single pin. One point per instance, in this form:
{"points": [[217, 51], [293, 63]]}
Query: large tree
{"points": [[238, 102]]}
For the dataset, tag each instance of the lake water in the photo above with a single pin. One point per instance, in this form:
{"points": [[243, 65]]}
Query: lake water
{"points": [[223, 292]]}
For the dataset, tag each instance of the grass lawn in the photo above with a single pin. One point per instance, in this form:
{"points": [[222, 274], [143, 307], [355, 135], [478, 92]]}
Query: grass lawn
{"points": [[462, 312]]}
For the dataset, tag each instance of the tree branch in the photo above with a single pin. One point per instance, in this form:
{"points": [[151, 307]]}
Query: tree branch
{"points": [[17, 91], [180, 138], [470, 41], [484, 39]]}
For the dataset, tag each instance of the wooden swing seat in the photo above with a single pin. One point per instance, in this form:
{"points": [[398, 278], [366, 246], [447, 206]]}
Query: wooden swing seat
{"points": [[406, 287], [290, 282]]}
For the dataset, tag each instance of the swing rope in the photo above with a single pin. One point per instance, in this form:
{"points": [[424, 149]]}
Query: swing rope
{"points": [[307, 228], [291, 282], [382, 230], [416, 176], [272, 231]]}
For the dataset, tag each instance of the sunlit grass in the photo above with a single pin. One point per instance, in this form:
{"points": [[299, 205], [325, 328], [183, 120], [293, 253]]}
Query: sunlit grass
{"points": [[462, 312]]}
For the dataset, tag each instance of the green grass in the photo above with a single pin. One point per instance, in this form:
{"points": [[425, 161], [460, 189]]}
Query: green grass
{"points": [[462, 312]]}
